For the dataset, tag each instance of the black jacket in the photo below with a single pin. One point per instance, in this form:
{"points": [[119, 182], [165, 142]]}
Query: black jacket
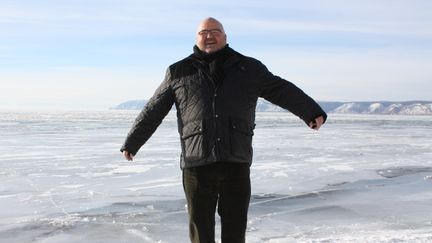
{"points": [[216, 119]]}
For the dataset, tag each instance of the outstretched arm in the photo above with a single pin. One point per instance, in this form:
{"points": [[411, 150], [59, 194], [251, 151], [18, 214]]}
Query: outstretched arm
{"points": [[288, 96], [149, 119]]}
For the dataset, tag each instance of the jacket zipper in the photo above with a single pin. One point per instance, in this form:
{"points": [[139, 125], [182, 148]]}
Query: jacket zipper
{"points": [[215, 116]]}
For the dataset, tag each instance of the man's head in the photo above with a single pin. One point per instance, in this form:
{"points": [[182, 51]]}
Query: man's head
{"points": [[210, 36]]}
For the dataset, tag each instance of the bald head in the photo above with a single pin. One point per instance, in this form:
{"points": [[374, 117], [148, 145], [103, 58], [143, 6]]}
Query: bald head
{"points": [[210, 35], [210, 21]]}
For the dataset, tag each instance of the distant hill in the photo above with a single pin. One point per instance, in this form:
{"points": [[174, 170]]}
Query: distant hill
{"points": [[385, 107], [131, 105], [364, 107]]}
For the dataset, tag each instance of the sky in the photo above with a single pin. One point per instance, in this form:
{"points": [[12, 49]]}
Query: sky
{"points": [[95, 54]]}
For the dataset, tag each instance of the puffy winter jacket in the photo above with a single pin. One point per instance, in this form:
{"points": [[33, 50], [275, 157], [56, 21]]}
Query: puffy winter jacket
{"points": [[216, 120]]}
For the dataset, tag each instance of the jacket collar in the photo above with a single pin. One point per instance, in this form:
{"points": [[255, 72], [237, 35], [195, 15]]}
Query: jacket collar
{"points": [[233, 59]]}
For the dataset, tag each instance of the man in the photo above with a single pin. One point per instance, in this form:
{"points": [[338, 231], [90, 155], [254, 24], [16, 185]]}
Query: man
{"points": [[215, 91]]}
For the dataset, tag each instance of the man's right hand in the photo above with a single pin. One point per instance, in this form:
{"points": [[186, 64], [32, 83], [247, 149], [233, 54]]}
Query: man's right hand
{"points": [[128, 155]]}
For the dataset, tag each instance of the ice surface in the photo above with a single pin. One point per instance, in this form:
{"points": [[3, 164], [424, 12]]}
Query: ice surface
{"points": [[361, 178]]}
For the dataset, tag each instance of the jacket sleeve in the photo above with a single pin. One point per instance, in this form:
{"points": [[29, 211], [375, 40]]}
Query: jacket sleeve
{"points": [[150, 117], [288, 96]]}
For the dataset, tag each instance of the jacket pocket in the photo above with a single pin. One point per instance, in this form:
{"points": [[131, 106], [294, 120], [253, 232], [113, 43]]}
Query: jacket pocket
{"points": [[193, 143], [241, 139]]}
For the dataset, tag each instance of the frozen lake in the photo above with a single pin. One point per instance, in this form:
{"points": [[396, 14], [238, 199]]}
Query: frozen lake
{"points": [[361, 178]]}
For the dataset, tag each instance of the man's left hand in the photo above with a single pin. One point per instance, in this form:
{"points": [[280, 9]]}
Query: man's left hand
{"points": [[316, 123]]}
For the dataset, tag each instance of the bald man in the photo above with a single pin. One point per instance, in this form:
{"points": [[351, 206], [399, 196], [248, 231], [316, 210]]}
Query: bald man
{"points": [[215, 91]]}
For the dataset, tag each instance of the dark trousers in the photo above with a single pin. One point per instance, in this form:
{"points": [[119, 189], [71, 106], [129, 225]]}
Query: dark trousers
{"points": [[226, 185]]}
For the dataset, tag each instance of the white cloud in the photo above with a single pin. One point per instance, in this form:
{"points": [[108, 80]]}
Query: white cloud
{"points": [[397, 18], [368, 75], [86, 86]]}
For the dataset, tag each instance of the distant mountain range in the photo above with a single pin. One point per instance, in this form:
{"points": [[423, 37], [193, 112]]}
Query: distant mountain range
{"points": [[375, 107]]}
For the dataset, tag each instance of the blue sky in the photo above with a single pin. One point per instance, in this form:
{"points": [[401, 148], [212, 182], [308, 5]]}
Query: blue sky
{"points": [[94, 54]]}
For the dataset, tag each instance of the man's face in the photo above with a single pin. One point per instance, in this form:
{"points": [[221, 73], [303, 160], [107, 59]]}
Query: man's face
{"points": [[210, 36]]}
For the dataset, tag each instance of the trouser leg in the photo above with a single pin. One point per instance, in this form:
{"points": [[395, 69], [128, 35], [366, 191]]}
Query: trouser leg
{"points": [[201, 196], [234, 197]]}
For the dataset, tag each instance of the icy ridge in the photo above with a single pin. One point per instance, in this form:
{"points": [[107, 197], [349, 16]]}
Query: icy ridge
{"points": [[364, 107]]}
